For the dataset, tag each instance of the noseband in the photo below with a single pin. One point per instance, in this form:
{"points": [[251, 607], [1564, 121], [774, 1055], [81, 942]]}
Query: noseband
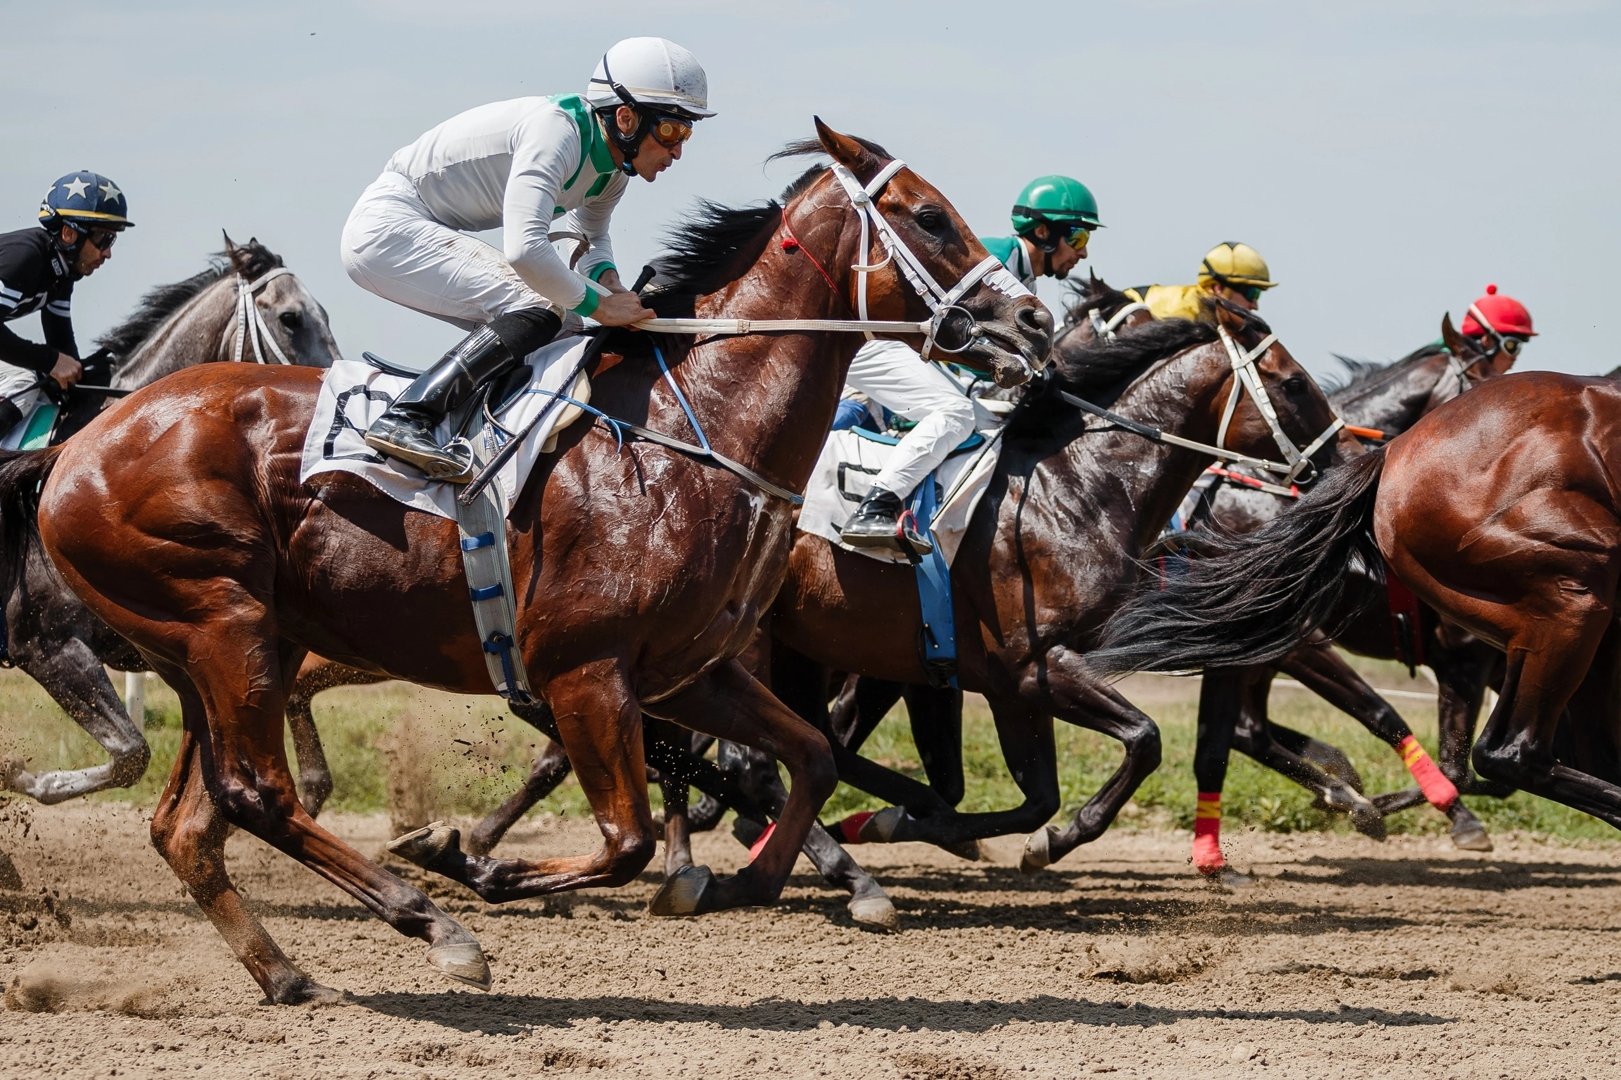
{"points": [[250, 324]]}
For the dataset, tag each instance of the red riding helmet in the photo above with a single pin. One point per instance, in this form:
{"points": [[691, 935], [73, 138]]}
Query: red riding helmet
{"points": [[1504, 314]]}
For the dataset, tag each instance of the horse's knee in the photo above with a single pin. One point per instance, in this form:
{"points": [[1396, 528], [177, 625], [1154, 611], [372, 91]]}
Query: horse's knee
{"points": [[129, 763], [254, 803], [1142, 742]]}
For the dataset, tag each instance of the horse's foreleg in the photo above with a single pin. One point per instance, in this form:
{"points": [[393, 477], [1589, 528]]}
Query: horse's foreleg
{"points": [[729, 703], [936, 718], [600, 725], [315, 674], [1076, 699]]}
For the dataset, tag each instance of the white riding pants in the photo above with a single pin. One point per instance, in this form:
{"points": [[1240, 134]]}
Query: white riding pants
{"points": [[893, 375], [393, 246]]}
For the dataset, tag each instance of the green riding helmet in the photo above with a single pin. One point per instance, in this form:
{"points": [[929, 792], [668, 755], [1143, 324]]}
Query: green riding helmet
{"points": [[1062, 200]]}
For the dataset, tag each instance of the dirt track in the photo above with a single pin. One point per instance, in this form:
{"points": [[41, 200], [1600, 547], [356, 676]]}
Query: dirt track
{"points": [[1347, 958]]}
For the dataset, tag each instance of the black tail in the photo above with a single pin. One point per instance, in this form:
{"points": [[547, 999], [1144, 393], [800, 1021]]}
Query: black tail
{"points": [[1250, 599], [22, 473]]}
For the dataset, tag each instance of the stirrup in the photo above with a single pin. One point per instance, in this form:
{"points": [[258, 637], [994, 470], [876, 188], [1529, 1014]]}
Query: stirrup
{"points": [[452, 463]]}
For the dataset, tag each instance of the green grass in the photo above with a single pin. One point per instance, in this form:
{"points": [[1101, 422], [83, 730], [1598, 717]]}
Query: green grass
{"points": [[417, 753]]}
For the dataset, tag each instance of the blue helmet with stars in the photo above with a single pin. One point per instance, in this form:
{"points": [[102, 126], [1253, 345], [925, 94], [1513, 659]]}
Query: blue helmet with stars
{"points": [[85, 200]]}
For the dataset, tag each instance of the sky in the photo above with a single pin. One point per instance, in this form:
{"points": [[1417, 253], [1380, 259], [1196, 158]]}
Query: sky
{"points": [[1388, 159]]}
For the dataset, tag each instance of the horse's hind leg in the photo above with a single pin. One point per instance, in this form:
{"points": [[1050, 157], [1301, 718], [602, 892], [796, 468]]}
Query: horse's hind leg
{"points": [[316, 674], [550, 769], [189, 832]]}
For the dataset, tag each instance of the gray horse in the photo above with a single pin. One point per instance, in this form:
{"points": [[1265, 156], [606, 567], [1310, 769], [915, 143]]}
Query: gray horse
{"points": [[245, 306]]}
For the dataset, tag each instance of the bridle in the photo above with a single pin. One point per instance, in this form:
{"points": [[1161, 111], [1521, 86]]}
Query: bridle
{"points": [[950, 329], [1296, 467], [1104, 330], [250, 324]]}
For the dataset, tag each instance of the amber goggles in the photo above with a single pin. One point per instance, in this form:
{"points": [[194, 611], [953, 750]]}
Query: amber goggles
{"points": [[669, 131]]}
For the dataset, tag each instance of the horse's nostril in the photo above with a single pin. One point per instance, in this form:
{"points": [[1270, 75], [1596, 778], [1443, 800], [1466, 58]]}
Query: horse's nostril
{"points": [[1036, 318]]}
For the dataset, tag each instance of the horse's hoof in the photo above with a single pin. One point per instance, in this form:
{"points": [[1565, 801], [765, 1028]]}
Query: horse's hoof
{"points": [[875, 913], [423, 846], [881, 827], [463, 961], [1228, 878], [1367, 820], [684, 893], [1471, 836], [971, 850], [310, 992], [1038, 851]]}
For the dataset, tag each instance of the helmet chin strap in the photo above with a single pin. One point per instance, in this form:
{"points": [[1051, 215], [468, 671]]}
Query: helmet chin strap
{"points": [[626, 144]]}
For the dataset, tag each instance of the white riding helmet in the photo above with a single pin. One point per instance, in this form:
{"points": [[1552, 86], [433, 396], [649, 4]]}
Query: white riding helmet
{"points": [[650, 71]]}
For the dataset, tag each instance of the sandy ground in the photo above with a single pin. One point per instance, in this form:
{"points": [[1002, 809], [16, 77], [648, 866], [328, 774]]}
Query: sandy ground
{"points": [[1346, 958]]}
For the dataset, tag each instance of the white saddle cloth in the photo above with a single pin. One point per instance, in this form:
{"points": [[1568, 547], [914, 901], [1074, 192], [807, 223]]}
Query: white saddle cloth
{"points": [[355, 393], [844, 475]]}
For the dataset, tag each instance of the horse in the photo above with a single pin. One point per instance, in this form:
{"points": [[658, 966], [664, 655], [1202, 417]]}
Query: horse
{"points": [[51, 634], [641, 568], [1051, 549], [1232, 710], [1500, 511]]}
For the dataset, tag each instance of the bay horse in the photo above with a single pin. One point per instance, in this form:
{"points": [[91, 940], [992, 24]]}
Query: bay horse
{"points": [[1501, 511], [1233, 702], [1050, 551], [641, 569], [51, 635]]}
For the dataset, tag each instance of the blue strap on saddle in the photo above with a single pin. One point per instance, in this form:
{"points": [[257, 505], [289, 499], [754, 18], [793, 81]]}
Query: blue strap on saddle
{"points": [[934, 596]]}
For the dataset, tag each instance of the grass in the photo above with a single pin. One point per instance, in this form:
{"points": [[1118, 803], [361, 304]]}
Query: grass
{"points": [[418, 754]]}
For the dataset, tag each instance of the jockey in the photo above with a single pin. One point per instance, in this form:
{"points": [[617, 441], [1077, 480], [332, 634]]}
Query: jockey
{"points": [[1052, 220], [1232, 271], [1498, 322], [517, 165], [81, 215]]}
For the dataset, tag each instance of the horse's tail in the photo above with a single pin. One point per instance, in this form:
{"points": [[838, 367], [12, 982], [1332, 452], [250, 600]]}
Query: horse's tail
{"points": [[22, 474], [1249, 599]]}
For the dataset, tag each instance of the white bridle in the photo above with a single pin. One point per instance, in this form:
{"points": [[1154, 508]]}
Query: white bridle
{"points": [[250, 324], [1246, 377], [1104, 331], [941, 302]]}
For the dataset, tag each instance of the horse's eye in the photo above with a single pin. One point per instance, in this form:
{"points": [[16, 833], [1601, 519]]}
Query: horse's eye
{"points": [[933, 219], [1294, 384], [292, 320]]}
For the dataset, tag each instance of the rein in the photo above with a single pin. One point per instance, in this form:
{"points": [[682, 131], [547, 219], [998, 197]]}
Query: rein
{"points": [[250, 324], [1296, 461]]}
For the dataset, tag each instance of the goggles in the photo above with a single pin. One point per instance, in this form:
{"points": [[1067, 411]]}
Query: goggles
{"points": [[1059, 233], [1512, 345], [669, 131], [103, 239]]}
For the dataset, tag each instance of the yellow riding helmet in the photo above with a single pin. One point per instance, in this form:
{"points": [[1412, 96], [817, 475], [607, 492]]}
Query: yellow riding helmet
{"points": [[1232, 263]]}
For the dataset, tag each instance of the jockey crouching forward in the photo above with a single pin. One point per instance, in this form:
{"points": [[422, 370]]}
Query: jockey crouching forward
{"points": [[1496, 323], [518, 165], [81, 215], [1230, 271], [1052, 220]]}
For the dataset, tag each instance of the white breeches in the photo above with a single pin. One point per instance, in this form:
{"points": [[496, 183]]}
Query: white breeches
{"points": [[392, 246], [893, 375]]}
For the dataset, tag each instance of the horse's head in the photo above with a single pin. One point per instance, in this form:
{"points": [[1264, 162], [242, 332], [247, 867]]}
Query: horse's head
{"points": [[1477, 360], [1270, 405], [921, 261], [290, 321], [1096, 310]]}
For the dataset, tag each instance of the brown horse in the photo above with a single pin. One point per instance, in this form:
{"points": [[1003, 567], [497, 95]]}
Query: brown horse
{"points": [[1502, 511], [642, 570]]}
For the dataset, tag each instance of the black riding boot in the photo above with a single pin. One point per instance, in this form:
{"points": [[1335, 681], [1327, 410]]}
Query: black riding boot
{"points": [[405, 431], [879, 522]]}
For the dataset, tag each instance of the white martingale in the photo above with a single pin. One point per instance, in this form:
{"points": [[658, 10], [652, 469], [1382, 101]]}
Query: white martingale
{"points": [[250, 324], [1245, 376]]}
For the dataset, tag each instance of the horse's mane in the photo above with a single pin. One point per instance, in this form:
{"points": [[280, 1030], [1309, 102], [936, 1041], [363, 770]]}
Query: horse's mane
{"points": [[1081, 297], [1363, 376], [716, 243], [1101, 369], [156, 306]]}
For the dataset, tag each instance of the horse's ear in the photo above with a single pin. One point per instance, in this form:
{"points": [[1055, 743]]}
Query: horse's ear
{"points": [[846, 151], [1455, 342], [237, 256]]}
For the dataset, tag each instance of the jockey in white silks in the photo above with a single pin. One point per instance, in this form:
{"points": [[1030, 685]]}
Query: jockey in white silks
{"points": [[1052, 220], [518, 165]]}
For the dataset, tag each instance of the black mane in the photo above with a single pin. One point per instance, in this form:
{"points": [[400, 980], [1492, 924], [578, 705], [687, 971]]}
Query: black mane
{"points": [[1082, 296], [156, 306], [718, 243], [1363, 376]]}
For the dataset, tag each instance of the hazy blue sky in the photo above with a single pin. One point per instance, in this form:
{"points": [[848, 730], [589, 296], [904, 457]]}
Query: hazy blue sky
{"points": [[1389, 159]]}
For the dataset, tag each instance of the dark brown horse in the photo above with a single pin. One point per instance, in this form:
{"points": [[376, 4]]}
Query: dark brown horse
{"points": [[641, 570], [1051, 550], [1501, 510]]}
